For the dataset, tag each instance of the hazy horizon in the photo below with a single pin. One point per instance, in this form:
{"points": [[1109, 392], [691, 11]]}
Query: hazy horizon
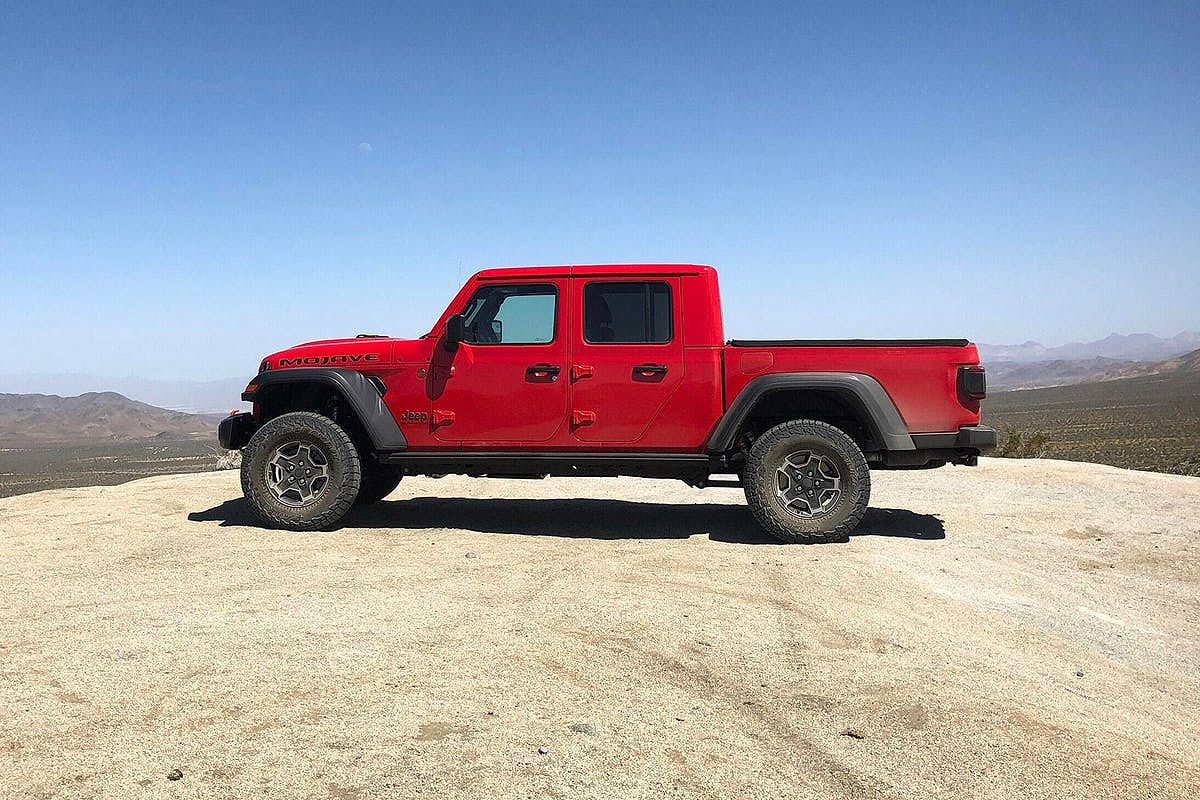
{"points": [[185, 190]]}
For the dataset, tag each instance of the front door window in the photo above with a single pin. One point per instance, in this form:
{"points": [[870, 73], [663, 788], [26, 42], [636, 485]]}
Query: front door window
{"points": [[513, 314]]}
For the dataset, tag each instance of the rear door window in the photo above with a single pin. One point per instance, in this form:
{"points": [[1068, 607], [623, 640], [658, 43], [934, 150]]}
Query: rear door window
{"points": [[627, 312]]}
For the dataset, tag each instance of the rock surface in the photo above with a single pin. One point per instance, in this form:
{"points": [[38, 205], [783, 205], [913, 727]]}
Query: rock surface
{"points": [[153, 623]]}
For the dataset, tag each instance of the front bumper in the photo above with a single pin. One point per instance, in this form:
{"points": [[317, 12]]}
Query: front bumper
{"points": [[235, 431]]}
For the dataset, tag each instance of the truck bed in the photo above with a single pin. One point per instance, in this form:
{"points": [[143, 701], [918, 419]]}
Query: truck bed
{"points": [[919, 375]]}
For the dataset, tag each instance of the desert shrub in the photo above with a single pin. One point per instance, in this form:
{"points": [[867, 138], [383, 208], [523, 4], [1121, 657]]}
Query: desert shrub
{"points": [[1019, 444], [1189, 466], [228, 459]]}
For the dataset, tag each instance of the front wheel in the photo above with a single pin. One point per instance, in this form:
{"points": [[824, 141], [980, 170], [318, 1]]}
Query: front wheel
{"points": [[807, 481], [301, 471]]}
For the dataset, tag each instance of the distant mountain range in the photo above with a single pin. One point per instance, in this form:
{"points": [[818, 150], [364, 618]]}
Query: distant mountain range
{"points": [[1188, 363], [192, 397], [1033, 365], [1004, 375], [28, 420], [1117, 347]]}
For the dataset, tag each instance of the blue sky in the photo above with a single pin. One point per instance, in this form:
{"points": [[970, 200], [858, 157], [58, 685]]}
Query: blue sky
{"points": [[184, 187]]}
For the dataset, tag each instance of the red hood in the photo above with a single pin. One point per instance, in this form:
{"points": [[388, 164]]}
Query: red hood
{"points": [[359, 352], [349, 340]]}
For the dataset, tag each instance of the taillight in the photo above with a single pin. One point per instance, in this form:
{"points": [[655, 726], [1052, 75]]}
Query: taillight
{"points": [[972, 382]]}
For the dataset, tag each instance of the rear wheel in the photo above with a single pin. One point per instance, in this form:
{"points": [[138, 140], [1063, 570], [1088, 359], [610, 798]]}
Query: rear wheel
{"points": [[378, 481], [301, 471], [807, 481]]}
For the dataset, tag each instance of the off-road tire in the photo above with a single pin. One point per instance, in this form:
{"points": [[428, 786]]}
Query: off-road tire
{"points": [[343, 465], [378, 481], [759, 480]]}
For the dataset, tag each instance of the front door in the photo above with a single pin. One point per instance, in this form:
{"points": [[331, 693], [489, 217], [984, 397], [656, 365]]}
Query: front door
{"points": [[506, 384], [626, 356]]}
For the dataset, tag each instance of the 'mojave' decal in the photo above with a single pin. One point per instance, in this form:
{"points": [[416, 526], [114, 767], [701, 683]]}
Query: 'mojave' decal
{"points": [[316, 361]]}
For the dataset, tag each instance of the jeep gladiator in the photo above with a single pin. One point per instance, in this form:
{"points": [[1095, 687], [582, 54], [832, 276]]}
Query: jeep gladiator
{"points": [[604, 370]]}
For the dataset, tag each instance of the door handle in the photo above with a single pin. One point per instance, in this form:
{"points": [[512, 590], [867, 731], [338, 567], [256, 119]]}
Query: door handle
{"points": [[542, 372], [648, 370]]}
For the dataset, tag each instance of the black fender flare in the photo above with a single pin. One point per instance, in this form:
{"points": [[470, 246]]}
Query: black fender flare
{"points": [[863, 392], [364, 398]]}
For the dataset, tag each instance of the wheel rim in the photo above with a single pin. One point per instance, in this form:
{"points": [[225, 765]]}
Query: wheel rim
{"points": [[808, 484], [297, 473]]}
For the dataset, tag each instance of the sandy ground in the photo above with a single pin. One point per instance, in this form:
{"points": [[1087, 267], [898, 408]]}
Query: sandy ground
{"points": [[1020, 630]]}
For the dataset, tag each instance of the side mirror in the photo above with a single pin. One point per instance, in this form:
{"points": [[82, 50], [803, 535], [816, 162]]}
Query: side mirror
{"points": [[455, 329]]}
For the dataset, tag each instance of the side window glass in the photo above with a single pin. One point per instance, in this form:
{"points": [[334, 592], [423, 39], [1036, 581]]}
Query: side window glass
{"points": [[627, 313], [522, 313]]}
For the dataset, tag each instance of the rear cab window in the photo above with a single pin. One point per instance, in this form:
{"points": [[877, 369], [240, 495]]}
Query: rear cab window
{"points": [[627, 312]]}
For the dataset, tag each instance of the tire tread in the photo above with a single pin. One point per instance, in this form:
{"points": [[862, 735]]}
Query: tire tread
{"points": [[317, 425], [758, 480]]}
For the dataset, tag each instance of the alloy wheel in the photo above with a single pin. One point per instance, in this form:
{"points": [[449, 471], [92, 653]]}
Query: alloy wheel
{"points": [[297, 473], [808, 484]]}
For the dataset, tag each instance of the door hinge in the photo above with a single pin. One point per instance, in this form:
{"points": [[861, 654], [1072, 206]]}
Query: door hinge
{"points": [[581, 371], [581, 418], [442, 417]]}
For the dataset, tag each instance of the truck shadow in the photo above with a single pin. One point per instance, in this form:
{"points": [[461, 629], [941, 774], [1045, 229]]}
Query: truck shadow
{"points": [[585, 519]]}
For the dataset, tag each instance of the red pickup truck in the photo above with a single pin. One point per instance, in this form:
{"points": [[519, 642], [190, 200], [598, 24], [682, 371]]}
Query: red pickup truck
{"points": [[601, 371]]}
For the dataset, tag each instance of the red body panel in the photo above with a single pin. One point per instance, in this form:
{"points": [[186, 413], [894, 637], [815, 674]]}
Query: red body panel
{"points": [[484, 396], [921, 381]]}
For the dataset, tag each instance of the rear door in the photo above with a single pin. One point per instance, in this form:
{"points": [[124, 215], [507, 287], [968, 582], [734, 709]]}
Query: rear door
{"points": [[626, 355]]}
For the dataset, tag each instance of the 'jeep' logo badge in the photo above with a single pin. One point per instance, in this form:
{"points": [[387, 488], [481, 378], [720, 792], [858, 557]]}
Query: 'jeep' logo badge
{"points": [[317, 361], [414, 416]]}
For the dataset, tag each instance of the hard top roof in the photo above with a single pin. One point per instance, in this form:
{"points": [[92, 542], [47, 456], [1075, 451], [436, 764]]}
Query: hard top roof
{"points": [[592, 269]]}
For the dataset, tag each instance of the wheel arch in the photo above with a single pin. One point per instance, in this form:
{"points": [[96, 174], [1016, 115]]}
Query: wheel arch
{"points": [[821, 395], [333, 392]]}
